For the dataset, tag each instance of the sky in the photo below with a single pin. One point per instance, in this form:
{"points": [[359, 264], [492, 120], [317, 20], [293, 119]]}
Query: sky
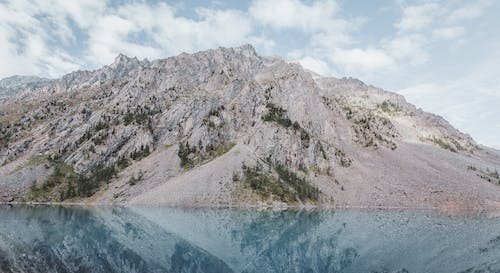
{"points": [[443, 56]]}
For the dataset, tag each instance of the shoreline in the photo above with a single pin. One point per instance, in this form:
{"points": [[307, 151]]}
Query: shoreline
{"points": [[447, 210]]}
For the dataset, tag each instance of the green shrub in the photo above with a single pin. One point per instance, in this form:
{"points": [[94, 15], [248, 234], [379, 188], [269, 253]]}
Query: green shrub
{"points": [[217, 111], [490, 176], [443, 144], [266, 185], [5, 137], [100, 138], [122, 162], [302, 187], [61, 173], [219, 150], [35, 160], [344, 160], [141, 115], [64, 183], [389, 107], [279, 115], [192, 156], [99, 130], [101, 125], [288, 186], [304, 137], [184, 151], [276, 114], [142, 153]]}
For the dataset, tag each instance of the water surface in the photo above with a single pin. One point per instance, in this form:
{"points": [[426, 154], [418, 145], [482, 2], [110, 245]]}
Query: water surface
{"points": [[140, 239]]}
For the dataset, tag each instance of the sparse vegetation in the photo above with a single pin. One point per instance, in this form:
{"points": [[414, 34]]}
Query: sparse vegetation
{"points": [[236, 176], [167, 146], [192, 155], [62, 180], [316, 170], [140, 154], [5, 137], [342, 158], [491, 176], [301, 186], [98, 132], [86, 186], [389, 107], [442, 144], [141, 115], [64, 183], [349, 112], [185, 150], [122, 163], [266, 185], [214, 152], [35, 160], [304, 136], [279, 115], [286, 186], [100, 137], [276, 114], [217, 112], [101, 125], [371, 130]]}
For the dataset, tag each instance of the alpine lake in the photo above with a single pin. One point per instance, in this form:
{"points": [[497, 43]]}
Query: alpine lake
{"points": [[44, 238]]}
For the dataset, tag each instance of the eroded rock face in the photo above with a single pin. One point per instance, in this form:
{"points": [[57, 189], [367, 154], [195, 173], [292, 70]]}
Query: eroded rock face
{"points": [[164, 131]]}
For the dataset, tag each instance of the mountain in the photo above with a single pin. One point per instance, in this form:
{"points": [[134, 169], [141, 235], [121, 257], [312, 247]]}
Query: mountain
{"points": [[12, 86], [229, 127]]}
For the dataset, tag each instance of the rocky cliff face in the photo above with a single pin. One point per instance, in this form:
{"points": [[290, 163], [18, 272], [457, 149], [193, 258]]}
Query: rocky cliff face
{"points": [[227, 126]]}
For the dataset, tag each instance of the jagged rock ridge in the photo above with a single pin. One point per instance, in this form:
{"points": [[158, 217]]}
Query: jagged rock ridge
{"points": [[227, 126], [11, 86]]}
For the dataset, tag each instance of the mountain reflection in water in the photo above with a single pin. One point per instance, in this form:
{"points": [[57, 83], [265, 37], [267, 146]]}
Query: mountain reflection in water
{"points": [[142, 239]]}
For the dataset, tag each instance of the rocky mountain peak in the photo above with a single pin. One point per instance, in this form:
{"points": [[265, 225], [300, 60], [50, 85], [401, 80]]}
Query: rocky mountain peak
{"points": [[124, 61], [227, 125], [247, 50]]}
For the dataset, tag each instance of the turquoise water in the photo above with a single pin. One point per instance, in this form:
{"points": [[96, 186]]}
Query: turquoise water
{"points": [[139, 239]]}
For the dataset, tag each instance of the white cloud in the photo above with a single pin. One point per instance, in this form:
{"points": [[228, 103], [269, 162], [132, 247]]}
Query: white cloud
{"points": [[35, 31], [175, 33], [27, 32], [315, 65], [83, 13], [449, 33], [320, 20], [163, 33], [363, 59], [417, 17], [470, 102], [319, 16], [408, 47], [329, 35], [469, 11], [109, 34], [149, 30]]}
